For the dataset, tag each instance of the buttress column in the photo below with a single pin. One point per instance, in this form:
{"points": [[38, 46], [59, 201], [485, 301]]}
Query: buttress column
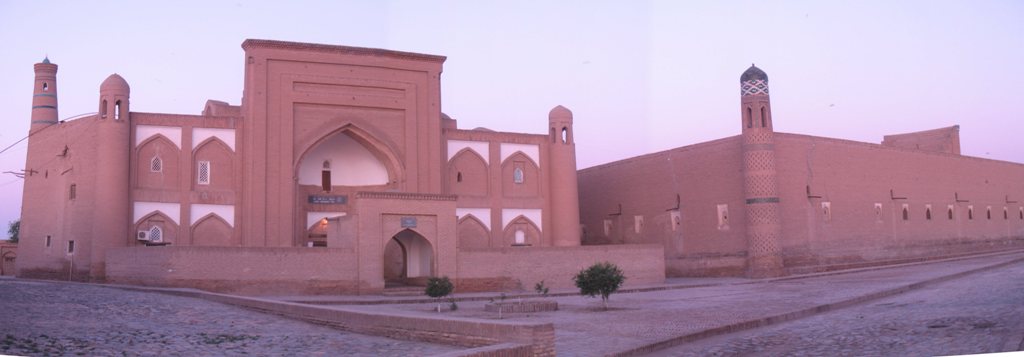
{"points": [[565, 197], [764, 227], [111, 218]]}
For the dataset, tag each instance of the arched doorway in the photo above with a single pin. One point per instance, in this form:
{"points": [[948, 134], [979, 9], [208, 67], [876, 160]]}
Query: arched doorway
{"points": [[408, 259]]}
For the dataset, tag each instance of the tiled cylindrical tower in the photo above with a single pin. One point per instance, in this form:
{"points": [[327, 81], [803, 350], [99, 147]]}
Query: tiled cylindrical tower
{"points": [[111, 217], [44, 96], [764, 227], [565, 197]]}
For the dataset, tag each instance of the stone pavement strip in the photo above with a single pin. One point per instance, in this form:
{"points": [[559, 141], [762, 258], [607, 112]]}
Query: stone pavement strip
{"points": [[48, 318], [980, 313], [40, 318], [645, 322]]}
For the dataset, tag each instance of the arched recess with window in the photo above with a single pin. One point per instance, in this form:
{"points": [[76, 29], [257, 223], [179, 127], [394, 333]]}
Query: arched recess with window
{"points": [[520, 176], [157, 222], [467, 174], [472, 233], [213, 231], [356, 159], [521, 231], [214, 166], [156, 164]]}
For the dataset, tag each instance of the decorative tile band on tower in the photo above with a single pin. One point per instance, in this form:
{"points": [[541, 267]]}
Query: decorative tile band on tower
{"points": [[764, 228]]}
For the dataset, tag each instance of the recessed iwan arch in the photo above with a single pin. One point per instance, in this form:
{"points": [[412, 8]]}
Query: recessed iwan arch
{"points": [[351, 163], [201, 134], [143, 209], [198, 211], [482, 214], [531, 151], [172, 133], [534, 215], [481, 148]]}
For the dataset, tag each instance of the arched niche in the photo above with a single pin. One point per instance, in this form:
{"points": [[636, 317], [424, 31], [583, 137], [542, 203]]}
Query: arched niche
{"points": [[521, 231], [167, 227], [520, 176], [472, 233], [213, 231], [165, 174], [219, 159], [467, 174]]}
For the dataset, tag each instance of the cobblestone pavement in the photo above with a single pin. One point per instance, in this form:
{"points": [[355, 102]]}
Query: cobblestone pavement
{"points": [[639, 319], [979, 313], [46, 318]]}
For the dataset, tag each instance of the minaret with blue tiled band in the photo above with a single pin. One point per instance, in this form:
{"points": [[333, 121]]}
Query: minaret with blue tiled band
{"points": [[44, 96], [764, 228]]}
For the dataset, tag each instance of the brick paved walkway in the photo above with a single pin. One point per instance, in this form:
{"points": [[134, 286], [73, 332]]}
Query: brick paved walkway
{"points": [[641, 319], [980, 313], [49, 318]]}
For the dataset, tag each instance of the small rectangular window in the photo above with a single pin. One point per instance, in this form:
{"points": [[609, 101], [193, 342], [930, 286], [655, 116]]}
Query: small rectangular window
{"points": [[826, 211], [723, 217], [48, 241], [71, 247], [204, 173], [73, 192], [677, 220]]}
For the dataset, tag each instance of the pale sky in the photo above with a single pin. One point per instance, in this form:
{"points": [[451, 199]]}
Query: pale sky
{"points": [[639, 76]]}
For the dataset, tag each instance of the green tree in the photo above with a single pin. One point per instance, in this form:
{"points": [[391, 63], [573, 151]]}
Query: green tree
{"points": [[438, 288], [600, 279], [12, 230]]}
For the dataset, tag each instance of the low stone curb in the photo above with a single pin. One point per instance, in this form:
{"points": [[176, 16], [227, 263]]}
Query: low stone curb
{"points": [[794, 315]]}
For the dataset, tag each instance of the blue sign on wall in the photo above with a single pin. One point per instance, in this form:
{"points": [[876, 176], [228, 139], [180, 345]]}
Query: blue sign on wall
{"points": [[328, 199], [408, 222]]}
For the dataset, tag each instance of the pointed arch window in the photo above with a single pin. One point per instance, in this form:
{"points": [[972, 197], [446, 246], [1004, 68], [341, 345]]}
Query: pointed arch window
{"points": [[949, 213], [928, 213], [325, 176], [517, 175], [103, 109], [750, 118], [565, 135], [46, 87], [458, 177], [156, 234], [763, 120], [906, 212], [117, 110], [520, 238], [156, 164]]}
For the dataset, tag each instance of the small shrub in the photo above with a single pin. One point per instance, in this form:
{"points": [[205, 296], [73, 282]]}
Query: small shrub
{"points": [[438, 288], [540, 288], [600, 279]]}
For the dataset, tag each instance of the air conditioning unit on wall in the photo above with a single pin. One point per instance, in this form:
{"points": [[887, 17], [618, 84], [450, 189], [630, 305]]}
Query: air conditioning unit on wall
{"points": [[142, 236]]}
